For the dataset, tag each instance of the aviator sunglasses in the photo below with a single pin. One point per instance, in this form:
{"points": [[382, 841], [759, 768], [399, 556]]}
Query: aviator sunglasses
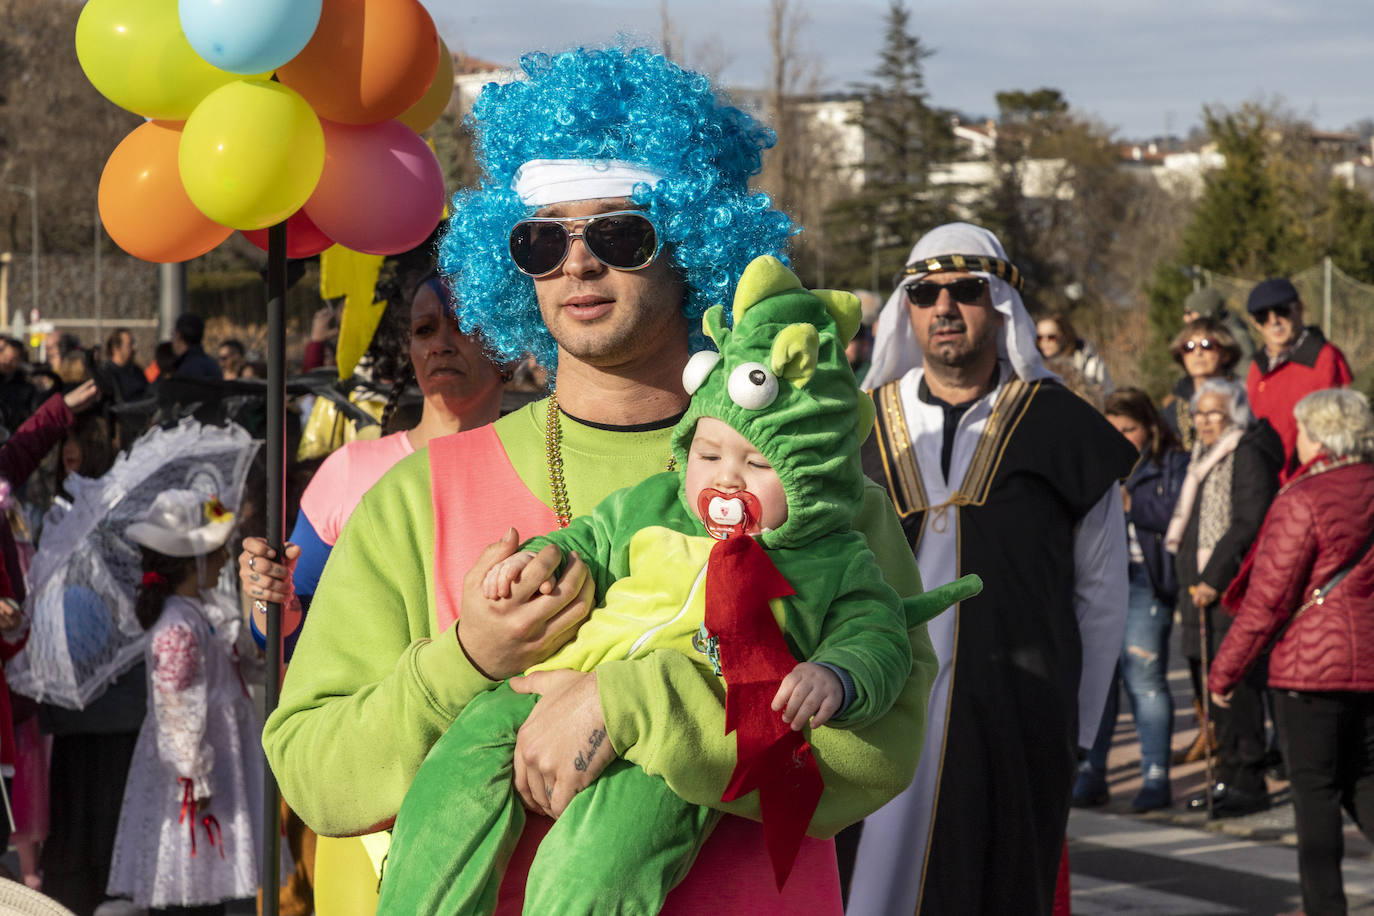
{"points": [[968, 290], [623, 239], [1205, 343]]}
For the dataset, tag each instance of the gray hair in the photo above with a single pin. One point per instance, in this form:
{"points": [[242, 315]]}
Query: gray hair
{"points": [[1339, 420], [1233, 392]]}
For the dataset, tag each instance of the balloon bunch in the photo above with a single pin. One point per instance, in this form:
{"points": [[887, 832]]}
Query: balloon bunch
{"points": [[331, 145]]}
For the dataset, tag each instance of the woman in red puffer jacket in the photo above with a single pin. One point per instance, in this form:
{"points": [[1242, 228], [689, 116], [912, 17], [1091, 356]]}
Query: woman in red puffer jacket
{"points": [[1308, 591]]}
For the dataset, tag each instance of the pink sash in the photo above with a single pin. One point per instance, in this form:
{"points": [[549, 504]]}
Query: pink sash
{"points": [[477, 496]]}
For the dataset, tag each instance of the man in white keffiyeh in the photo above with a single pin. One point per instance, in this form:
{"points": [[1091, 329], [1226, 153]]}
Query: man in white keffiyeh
{"points": [[997, 469]]}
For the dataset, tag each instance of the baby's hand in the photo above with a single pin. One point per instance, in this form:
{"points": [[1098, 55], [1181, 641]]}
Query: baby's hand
{"points": [[810, 692], [497, 582]]}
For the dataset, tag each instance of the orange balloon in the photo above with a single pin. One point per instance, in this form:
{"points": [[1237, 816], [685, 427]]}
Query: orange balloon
{"points": [[368, 61], [421, 116], [143, 205]]}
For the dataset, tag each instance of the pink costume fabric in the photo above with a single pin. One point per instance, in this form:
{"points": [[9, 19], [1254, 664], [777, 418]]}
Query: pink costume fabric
{"points": [[477, 496], [344, 477]]}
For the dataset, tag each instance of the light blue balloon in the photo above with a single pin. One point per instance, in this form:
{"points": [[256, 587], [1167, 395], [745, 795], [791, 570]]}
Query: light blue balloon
{"points": [[249, 36]]}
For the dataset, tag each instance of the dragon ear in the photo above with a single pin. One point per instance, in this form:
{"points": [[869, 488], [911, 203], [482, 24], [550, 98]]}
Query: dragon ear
{"points": [[795, 352], [713, 325], [845, 308], [764, 277]]}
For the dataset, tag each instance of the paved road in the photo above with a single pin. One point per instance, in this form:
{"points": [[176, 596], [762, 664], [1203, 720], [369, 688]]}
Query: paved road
{"points": [[1123, 864]]}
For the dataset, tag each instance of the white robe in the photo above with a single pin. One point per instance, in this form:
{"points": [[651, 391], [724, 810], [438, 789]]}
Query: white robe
{"points": [[892, 850]]}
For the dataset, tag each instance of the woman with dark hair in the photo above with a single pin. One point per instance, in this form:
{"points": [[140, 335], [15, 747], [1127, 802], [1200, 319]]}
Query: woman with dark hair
{"points": [[462, 389], [1307, 594], [1058, 343], [1232, 476], [1150, 493], [1205, 348]]}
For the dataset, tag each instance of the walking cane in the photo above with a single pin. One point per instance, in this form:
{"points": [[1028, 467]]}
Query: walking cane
{"points": [[1206, 701]]}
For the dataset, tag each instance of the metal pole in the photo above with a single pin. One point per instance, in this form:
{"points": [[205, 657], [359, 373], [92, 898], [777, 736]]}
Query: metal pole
{"points": [[99, 333], [171, 300], [33, 227], [1326, 296], [4, 291], [276, 536]]}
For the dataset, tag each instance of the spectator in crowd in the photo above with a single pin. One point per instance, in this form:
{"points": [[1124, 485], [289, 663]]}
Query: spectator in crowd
{"points": [[191, 359], [462, 390], [129, 380], [1150, 494], [1208, 302], [232, 358], [324, 330], [1232, 476], [59, 348], [164, 361], [1205, 348], [17, 393], [1307, 594], [1058, 341], [1295, 360], [198, 752]]}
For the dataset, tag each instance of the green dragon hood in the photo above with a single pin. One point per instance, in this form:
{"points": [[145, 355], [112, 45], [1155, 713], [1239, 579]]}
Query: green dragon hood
{"points": [[780, 378]]}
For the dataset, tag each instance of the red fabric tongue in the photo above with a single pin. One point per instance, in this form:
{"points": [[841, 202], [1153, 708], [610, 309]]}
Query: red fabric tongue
{"points": [[770, 756]]}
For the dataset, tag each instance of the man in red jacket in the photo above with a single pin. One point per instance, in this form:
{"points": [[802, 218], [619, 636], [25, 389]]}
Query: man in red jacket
{"points": [[1294, 361]]}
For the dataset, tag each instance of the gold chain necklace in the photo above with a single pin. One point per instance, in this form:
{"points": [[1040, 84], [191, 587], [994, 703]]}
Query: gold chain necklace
{"points": [[553, 452]]}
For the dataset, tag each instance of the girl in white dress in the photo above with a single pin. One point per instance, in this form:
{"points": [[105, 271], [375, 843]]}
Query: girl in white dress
{"points": [[192, 817]]}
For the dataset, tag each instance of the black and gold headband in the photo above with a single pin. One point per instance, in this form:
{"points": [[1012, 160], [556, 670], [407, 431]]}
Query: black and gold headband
{"points": [[1004, 270]]}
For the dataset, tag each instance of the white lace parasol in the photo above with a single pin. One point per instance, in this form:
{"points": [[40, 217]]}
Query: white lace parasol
{"points": [[83, 632]]}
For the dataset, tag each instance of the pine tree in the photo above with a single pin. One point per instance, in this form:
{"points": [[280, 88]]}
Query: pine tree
{"points": [[1244, 224], [869, 234]]}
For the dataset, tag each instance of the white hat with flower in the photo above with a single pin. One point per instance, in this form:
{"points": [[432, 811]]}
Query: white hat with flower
{"points": [[183, 523]]}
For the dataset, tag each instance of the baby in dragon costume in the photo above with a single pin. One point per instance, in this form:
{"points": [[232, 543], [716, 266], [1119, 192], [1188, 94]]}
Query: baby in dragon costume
{"points": [[745, 561]]}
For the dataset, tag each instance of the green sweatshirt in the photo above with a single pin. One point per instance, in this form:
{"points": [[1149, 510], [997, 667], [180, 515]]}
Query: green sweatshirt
{"points": [[372, 686]]}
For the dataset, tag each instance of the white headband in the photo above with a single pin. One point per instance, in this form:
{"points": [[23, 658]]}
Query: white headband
{"points": [[541, 182]]}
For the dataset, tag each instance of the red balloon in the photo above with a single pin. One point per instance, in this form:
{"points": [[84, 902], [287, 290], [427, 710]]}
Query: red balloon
{"points": [[142, 204], [368, 61], [303, 238], [382, 191]]}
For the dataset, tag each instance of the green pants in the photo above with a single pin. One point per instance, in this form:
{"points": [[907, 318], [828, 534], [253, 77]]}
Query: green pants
{"points": [[620, 846]]}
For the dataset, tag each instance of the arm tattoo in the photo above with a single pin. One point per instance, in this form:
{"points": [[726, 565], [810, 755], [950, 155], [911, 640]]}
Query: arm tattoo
{"points": [[594, 741]]}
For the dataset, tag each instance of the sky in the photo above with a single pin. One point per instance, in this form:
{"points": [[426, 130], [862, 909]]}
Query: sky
{"points": [[1144, 67]]}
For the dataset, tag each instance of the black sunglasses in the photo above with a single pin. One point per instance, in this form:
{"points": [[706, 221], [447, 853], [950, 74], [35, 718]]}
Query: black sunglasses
{"points": [[925, 293], [1283, 311], [624, 239], [1205, 343]]}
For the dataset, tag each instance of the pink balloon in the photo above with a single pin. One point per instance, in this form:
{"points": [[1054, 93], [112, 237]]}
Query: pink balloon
{"points": [[303, 238], [382, 191]]}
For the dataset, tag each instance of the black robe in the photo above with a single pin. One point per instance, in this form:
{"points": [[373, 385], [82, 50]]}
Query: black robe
{"points": [[1011, 740]]}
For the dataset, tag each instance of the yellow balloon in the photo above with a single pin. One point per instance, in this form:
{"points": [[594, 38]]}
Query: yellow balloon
{"points": [[251, 153], [421, 116], [134, 53]]}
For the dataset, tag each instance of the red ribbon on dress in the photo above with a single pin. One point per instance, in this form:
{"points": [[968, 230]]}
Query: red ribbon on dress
{"points": [[740, 581], [188, 811], [213, 833]]}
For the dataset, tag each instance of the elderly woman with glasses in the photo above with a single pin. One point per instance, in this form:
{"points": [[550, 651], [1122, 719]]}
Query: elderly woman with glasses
{"points": [[1205, 348], [1231, 479], [1308, 594]]}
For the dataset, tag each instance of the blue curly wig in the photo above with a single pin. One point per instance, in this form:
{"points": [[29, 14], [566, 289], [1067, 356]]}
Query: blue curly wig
{"points": [[615, 103]]}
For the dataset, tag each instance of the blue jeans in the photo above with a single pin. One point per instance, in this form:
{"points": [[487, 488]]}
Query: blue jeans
{"points": [[1144, 668]]}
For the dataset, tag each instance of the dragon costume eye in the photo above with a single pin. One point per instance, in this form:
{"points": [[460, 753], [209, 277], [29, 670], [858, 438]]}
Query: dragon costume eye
{"points": [[752, 386], [698, 368]]}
